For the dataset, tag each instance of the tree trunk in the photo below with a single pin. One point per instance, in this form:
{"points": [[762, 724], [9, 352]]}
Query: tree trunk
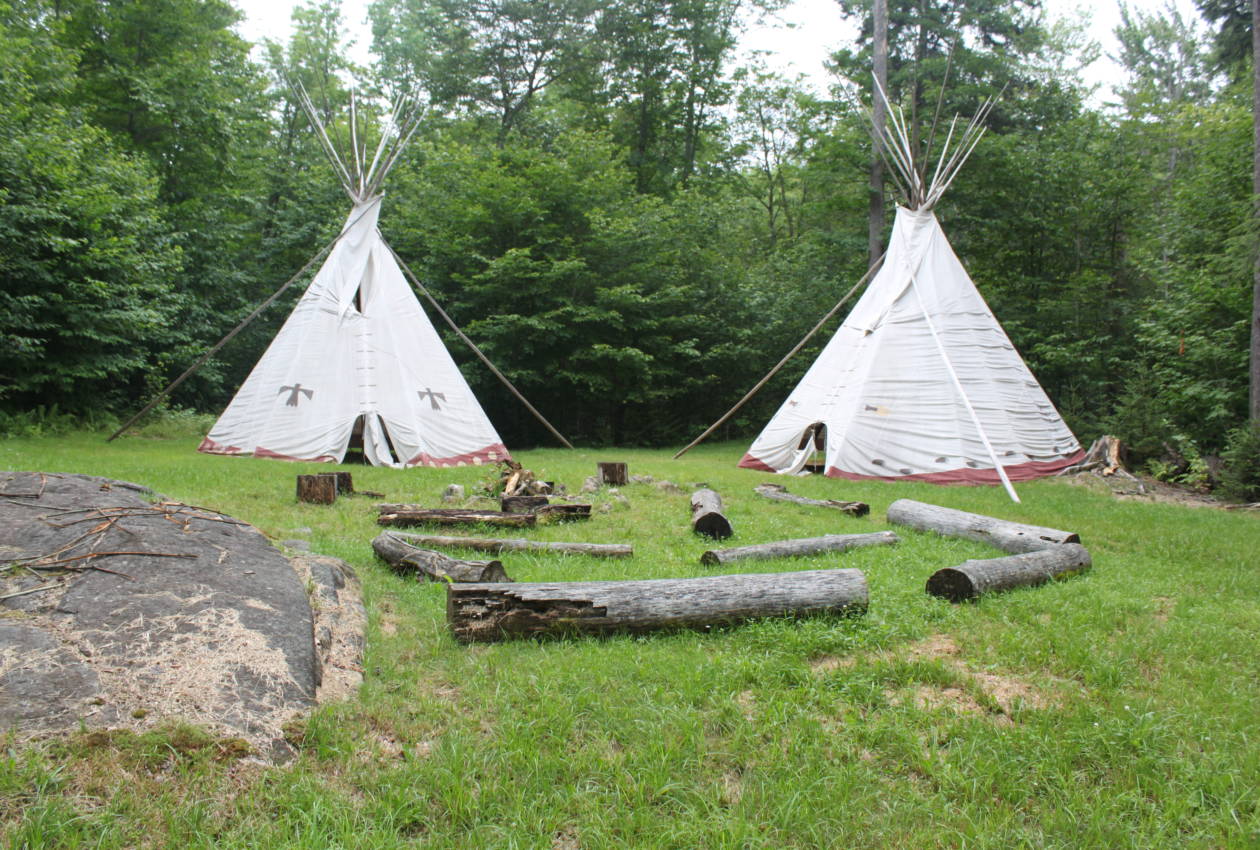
{"points": [[403, 515], [1255, 184], [1008, 536], [779, 493], [879, 49], [490, 612], [405, 558], [518, 544], [318, 489], [707, 517], [613, 474], [799, 547], [976, 578]]}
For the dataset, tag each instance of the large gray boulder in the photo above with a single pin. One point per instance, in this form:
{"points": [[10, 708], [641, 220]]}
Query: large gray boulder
{"points": [[123, 609]]}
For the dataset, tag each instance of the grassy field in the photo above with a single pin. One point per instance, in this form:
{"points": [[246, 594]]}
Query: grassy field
{"points": [[1117, 709]]}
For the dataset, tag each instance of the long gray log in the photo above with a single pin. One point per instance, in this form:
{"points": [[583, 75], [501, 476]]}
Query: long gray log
{"points": [[434, 566], [799, 547], [490, 612], [780, 493], [1011, 537], [417, 515], [518, 544], [976, 578], [707, 517]]}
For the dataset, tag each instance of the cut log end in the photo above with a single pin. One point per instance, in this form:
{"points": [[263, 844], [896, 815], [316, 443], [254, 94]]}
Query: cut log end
{"points": [[951, 584]]}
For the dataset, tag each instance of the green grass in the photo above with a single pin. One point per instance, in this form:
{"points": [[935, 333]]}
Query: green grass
{"points": [[1131, 719]]}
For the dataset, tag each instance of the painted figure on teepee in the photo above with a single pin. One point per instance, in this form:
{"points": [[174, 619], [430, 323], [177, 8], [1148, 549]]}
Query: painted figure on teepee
{"points": [[358, 354], [920, 382]]}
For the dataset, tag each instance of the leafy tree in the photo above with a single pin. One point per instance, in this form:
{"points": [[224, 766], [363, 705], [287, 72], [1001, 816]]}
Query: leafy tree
{"points": [[87, 259]]}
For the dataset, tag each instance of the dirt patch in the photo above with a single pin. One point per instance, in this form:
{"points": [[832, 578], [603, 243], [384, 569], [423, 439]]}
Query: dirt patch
{"points": [[1164, 606]]}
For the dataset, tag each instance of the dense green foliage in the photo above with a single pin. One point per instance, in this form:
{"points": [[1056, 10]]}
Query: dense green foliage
{"points": [[634, 227], [1117, 709]]}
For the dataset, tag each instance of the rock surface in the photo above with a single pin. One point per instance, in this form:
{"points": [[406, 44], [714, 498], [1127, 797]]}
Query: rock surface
{"points": [[143, 609]]}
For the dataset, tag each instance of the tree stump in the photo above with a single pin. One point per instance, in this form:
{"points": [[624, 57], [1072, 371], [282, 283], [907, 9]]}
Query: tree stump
{"points": [[707, 517], [798, 548], [318, 489], [972, 579], [613, 474], [345, 483], [1009, 536], [780, 493], [491, 612], [407, 559]]}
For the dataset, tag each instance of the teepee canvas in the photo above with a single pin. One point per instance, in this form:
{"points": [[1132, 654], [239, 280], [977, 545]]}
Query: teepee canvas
{"points": [[358, 354], [920, 382]]}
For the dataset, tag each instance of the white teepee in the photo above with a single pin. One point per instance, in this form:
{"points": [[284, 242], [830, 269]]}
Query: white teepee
{"points": [[358, 350], [920, 382]]}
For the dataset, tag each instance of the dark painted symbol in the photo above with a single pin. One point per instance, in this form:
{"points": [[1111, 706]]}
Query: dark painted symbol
{"points": [[433, 397], [293, 392]]}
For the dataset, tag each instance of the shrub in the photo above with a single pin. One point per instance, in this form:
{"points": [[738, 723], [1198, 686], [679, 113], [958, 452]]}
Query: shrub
{"points": [[1240, 472]]}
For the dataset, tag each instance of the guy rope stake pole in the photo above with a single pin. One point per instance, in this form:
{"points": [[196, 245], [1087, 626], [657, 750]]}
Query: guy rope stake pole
{"points": [[157, 399], [415, 281], [718, 424]]}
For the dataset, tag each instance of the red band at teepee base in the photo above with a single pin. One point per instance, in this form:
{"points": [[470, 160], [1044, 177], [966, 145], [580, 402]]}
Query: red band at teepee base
{"points": [[1016, 472]]}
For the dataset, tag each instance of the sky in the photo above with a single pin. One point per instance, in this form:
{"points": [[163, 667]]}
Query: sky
{"points": [[797, 40]]}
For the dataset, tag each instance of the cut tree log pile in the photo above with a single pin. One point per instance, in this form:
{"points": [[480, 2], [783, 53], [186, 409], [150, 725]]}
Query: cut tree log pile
{"points": [[406, 558], [516, 480], [971, 579], [780, 493], [517, 544], [491, 612], [1011, 537], [797, 548], [707, 517], [406, 515]]}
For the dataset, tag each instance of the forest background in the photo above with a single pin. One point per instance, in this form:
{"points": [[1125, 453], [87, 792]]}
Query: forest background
{"points": [[631, 224]]}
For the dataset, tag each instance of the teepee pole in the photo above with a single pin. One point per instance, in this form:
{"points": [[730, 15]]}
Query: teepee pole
{"points": [[718, 424], [415, 281], [201, 361], [975, 418]]}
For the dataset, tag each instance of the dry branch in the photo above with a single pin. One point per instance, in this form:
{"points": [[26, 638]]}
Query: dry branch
{"points": [[406, 558], [780, 493], [518, 544], [799, 547]]}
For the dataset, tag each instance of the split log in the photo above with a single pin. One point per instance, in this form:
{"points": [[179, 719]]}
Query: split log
{"points": [[519, 544], [319, 489], [407, 559], [613, 474], [1009, 536], [976, 578], [707, 517], [563, 513], [490, 612], [522, 504], [403, 515], [780, 493], [799, 547]]}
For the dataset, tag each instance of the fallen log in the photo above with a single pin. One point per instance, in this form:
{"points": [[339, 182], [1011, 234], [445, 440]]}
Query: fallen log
{"points": [[976, 578], [780, 493], [799, 547], [318, 489], [518, 544], [491, 612], [1009, 536], [563, 513], [521, 504], [405, 515], [407, 559], [707, 517]]}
